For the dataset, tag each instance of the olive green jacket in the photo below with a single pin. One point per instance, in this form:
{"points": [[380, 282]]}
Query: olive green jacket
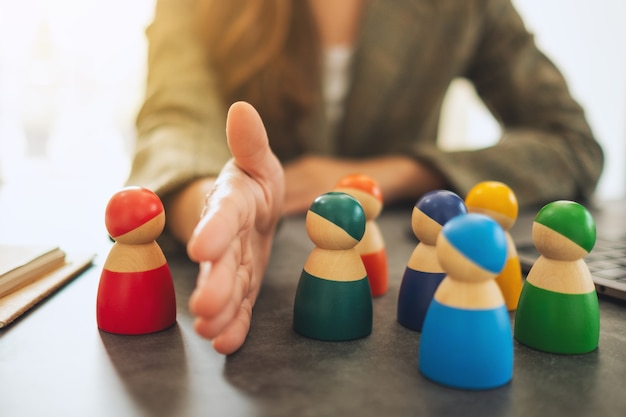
{"points": [[407, 54]]}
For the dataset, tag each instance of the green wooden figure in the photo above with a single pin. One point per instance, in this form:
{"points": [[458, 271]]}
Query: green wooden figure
{"points": [[558, 309], [333, 300]]}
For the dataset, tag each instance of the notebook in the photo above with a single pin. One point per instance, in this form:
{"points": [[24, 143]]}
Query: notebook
{"points": [[19, 265], [41, 272], [607, 259]]}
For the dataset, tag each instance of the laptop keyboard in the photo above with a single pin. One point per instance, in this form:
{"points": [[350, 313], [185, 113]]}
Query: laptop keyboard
{"points": [[608, 259]]}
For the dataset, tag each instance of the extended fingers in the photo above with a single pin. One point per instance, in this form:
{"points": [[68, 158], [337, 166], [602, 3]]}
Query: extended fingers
{"points": [[212, 327], [235, 333], [229, 326], [212, 294], [218, 283]]}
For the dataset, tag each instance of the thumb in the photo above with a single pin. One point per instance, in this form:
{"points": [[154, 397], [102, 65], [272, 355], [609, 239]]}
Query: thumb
{"points": [[247, 140]]}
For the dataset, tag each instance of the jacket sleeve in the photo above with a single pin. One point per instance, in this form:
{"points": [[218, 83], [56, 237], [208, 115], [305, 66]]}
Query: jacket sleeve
{"points": [[181, 125], [547, 150]]}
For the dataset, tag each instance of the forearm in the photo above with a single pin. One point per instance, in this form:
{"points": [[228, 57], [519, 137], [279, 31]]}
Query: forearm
{"points": [[399, 177], [547, 150], [184, 208], [180, 125], [538, 166], [402, 178]]}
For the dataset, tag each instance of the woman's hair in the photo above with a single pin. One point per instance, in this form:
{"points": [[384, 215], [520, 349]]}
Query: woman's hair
{"points": [[265, 52]]}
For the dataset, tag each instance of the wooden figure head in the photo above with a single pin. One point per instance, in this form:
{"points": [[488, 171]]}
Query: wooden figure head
{"points": [[472, 248], [494, 199], [564, 230], [335, 220], [134, 215], [434, 210], [365, 190]]}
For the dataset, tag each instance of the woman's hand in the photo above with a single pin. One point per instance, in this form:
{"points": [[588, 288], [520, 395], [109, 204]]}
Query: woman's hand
{"points": [[233, 239]]}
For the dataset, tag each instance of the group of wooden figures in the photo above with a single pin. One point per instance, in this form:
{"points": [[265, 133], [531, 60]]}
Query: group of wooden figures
{"points": [[459, 285]]}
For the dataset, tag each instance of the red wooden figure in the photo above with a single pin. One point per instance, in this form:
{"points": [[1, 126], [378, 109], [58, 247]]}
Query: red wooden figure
{"points": [[136, 292]]}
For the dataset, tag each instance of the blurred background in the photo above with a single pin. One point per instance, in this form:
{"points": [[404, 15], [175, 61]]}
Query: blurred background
{"points": [[71, 81], [585, 39], [72, 78]]}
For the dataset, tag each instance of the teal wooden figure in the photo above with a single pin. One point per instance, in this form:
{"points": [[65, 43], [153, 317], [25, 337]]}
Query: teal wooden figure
{"points": [[333, 300], [558, 309]]}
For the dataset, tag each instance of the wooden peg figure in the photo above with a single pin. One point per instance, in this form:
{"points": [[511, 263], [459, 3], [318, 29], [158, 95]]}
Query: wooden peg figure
{"points": [[423, 273], [558, 310], [136, 292], [372, 245], [466, 339], [333, 300], [497, 200]]}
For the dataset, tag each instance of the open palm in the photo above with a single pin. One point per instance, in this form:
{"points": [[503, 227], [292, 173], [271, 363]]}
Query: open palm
{"points": [[233, 240]]}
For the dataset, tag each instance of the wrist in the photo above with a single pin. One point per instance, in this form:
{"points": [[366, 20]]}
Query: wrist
{"points": [[184, 208], [403, 178]]}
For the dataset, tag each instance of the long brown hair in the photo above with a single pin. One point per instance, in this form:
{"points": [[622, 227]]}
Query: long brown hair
{"points": [[265, 52]]}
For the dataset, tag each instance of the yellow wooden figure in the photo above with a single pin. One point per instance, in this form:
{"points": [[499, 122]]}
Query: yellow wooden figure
{"points": [[496, 200]]}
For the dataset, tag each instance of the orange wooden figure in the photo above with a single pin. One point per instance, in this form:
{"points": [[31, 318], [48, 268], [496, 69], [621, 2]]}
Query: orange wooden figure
{"points": [[372, 247], [136, 292], [497, 200]]}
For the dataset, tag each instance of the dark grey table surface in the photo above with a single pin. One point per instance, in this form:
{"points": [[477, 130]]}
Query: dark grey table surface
{"points": [[55, 362]]}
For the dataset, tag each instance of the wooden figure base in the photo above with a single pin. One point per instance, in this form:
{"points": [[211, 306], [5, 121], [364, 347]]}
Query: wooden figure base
{"points": [[332, 310], [134, 303], [557, 322], [377, 271], [416, 293], [459, 347]]}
